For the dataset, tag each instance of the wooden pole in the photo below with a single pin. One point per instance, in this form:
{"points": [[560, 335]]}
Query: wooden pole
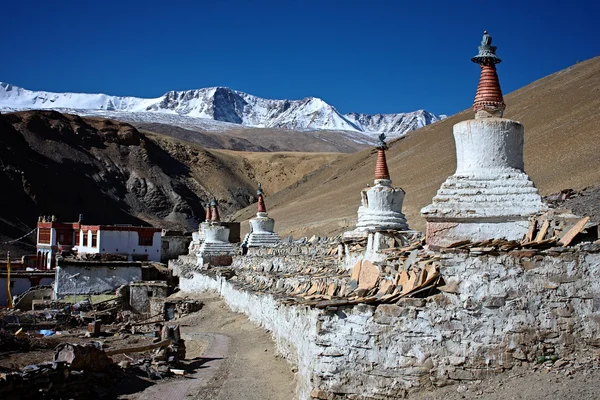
{"points": [[8, 294]]}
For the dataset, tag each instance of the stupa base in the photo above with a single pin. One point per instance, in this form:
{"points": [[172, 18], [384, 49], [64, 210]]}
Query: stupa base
{"points": [[263, 239], [215, 253], [443, 234]]}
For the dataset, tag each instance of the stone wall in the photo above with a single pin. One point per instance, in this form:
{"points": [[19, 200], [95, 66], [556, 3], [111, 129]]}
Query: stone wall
{"points": [[94, 277], [140, 294], [494, 311], [173, 246]]}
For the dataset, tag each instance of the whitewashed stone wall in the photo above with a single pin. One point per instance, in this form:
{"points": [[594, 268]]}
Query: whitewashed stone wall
{"points": [[497, 311], [94, 279]]}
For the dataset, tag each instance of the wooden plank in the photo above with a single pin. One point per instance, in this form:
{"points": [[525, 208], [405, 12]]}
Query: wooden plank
{"points": [[138, 349], [568, 237]]}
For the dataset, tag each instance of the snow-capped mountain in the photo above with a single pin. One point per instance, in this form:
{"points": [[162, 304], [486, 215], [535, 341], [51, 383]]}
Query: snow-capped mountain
{"points": [[218, 104], [402, 122]]}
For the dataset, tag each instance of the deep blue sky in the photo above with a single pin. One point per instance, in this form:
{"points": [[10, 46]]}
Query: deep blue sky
{"points": [[364, 56]]}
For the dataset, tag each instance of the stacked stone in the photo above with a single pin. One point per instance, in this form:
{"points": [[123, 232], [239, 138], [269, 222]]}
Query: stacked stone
{"points": [[381, 205], [261, 227], [489, 196]]}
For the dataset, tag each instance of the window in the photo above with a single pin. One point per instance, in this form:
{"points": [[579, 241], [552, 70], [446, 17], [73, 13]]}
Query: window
{"points": [[94, 240], [65, 237], [145, 239], [84, 239]]}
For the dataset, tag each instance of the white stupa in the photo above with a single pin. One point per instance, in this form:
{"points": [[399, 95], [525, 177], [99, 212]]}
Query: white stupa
{"points": [[381, 205], [216, 238], [489, 196], [261, 227], [198, 236]]}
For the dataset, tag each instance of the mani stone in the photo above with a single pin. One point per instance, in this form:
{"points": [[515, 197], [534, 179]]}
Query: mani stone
{"points": [[489, 196], [381, 205], [216, 238], [261, 227]]}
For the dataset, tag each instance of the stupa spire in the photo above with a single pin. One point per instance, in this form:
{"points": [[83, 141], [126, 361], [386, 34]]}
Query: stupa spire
{"points": [[262, 208], [489, 101], [381, 169], [215, 217], [208, 215]]}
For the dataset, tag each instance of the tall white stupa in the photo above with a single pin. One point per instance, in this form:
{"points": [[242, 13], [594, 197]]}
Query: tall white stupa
{"points": [[489, 196]]}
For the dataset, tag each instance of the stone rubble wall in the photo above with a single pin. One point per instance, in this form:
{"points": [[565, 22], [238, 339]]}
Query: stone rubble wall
{"points": [[494, 311]]}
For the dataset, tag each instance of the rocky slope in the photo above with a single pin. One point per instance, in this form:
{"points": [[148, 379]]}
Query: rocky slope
{"points": [[52, 163], [264, 139], [216, 108], [562, 150]]}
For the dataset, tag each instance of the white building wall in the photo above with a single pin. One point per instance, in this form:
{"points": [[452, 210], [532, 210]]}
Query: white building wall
{"points": [[52, 236], [126, 242], [87, 245], [121, 242]]}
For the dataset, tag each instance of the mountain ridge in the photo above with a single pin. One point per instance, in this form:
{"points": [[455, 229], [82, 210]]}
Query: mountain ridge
{"points": [[221, 104]]}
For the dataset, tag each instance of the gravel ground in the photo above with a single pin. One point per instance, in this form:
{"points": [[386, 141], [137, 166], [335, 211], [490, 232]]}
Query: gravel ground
{"points": [[576, 377]]}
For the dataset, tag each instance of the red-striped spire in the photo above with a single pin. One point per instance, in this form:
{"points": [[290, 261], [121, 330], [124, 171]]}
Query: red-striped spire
{"points": [[208, 215], [262, 208], [381, 169], [489, 95], [215, 211]]}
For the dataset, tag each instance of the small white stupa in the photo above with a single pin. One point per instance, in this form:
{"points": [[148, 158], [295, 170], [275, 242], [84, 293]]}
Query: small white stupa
{"points": [[381, 205], [198, 236], [261, 227], [216, 238], [489, 196]]}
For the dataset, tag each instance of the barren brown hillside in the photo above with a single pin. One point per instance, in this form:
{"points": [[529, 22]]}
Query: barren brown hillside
{"points": [[562, 150]]}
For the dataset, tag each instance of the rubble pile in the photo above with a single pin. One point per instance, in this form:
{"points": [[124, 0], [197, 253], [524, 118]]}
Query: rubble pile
{"points": [[56, 380]]}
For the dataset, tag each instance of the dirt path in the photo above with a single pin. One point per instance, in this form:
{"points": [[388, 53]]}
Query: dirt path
{"points": [[232, 358]]}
